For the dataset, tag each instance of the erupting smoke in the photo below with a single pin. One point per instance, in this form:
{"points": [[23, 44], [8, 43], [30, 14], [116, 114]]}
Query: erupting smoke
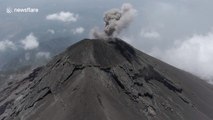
{"points": [[115, 21]]}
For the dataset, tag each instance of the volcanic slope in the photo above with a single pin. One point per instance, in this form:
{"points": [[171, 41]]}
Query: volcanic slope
{"points": [[107, 80]]}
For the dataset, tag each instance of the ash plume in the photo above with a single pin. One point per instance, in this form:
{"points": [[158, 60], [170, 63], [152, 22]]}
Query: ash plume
{"points": [[115, 20]]}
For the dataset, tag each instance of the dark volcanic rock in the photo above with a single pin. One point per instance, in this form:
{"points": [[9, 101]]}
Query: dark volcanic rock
{"points": [[107, 80]]}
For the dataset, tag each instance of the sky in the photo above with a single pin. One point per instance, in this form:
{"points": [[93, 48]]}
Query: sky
{"points": [[179, 32]]}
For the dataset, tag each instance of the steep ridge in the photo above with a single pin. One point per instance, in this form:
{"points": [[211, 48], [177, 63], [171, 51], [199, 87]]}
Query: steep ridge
{"points": [[107, 80]]}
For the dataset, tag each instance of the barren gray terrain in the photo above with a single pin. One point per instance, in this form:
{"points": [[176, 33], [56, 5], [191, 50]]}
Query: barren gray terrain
{"points": [[107, 80]]}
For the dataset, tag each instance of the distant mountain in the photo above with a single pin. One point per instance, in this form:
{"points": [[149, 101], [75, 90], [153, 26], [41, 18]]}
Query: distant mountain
{"points": [[107, 80]]}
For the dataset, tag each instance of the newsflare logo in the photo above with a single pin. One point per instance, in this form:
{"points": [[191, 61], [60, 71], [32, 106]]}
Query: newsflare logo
{"points": [[10, 10]]}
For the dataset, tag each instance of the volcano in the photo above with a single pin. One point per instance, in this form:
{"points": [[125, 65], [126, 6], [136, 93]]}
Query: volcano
{"points": [[107, 80]]}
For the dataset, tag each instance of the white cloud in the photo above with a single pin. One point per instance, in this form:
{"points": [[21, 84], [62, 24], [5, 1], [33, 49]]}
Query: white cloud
{"points": [[51, 31], [30, 42], [195, 55], [27, 56], [63, 16], [150, 34], [5, 44], [45, 55], [78, 30], [128, 39]]}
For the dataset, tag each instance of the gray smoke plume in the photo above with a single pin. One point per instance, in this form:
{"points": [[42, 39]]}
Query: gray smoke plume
{"points": [[115, 21]]}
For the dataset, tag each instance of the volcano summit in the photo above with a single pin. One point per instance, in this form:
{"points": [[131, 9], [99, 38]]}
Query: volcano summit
{"points": [[107, 80]]}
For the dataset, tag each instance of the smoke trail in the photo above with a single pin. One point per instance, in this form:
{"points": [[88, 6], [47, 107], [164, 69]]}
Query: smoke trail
{"points": [[115, 20]]}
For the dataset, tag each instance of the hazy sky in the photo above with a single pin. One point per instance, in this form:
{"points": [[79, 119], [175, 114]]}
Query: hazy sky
{"points": [[179, 32]]}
